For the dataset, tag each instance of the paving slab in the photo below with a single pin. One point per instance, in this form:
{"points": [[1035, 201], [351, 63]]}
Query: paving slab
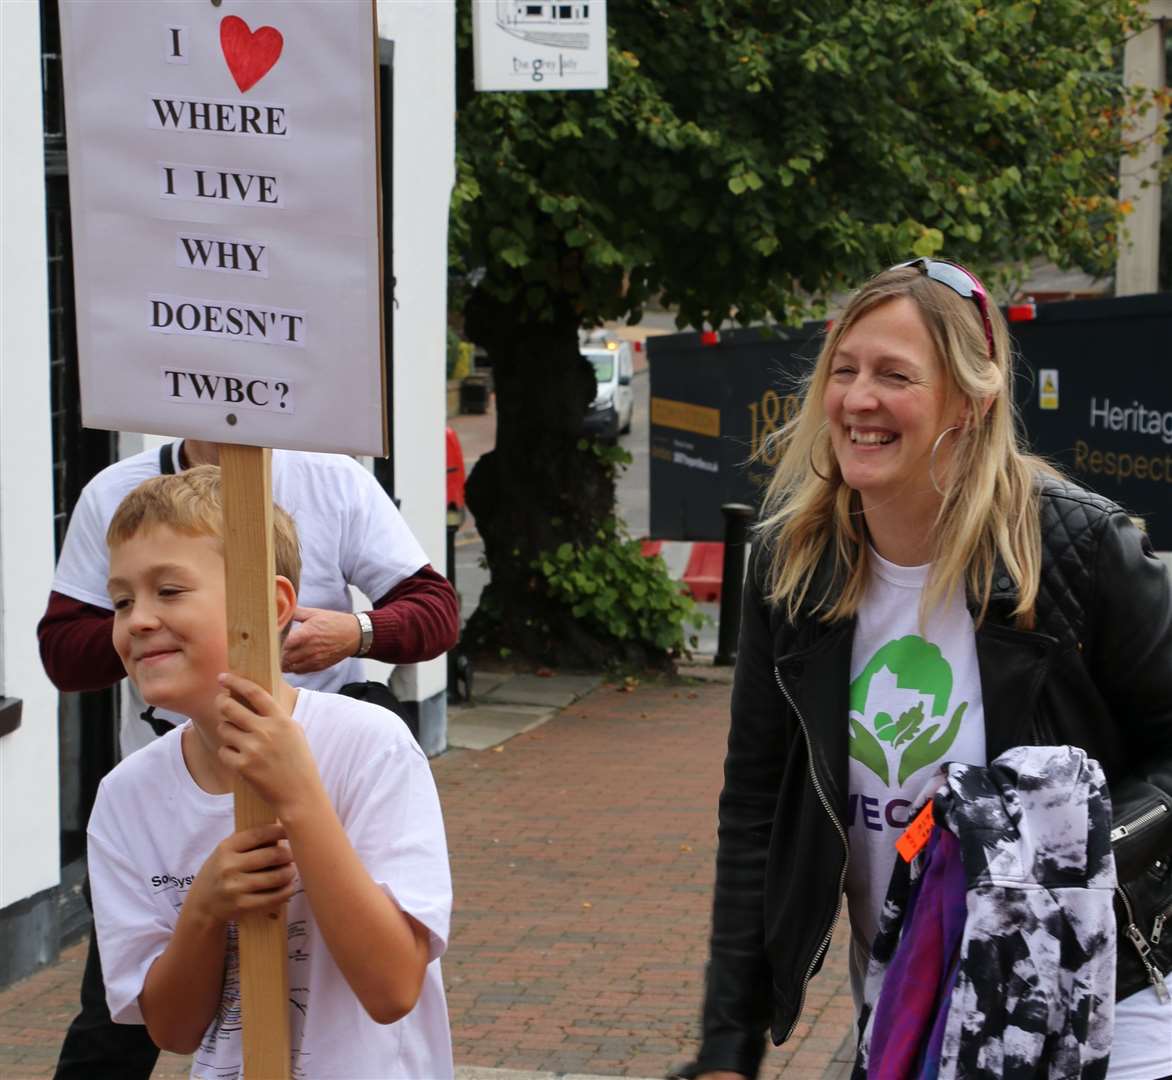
{"points": [[705, 670], [485, 682], [555, 691], [481, 727], [476, 1072]]}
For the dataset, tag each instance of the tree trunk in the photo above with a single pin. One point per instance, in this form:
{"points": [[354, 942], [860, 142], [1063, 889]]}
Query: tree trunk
{"points": [[536, 489]]}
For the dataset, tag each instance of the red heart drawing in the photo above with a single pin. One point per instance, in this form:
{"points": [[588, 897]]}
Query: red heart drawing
{"points": [[250, 53]]}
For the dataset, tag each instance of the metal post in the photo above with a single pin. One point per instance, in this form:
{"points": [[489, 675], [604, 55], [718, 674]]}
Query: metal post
{"points": [[737, 518], [459, 666], [453, 670], [453, 527]]}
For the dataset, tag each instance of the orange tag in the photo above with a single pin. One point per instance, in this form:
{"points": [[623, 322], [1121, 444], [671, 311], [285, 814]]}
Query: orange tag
{"points": [[915, 836]]}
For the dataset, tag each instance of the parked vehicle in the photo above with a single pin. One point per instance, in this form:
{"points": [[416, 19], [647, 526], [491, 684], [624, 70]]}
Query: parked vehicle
{"points": [[610, 412]]}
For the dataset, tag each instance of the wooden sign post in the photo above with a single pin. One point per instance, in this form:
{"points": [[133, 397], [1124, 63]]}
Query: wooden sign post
{"points": [[253, 652], [225, 199]]}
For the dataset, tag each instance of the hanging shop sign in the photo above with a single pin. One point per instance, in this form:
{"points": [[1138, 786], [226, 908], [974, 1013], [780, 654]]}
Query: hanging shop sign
{"points": [[539, 46]]}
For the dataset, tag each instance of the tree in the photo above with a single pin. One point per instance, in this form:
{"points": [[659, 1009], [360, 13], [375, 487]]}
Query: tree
{"points": [[750, 159]]}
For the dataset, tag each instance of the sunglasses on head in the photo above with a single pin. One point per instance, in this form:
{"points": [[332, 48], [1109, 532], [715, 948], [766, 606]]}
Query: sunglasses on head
{"points": [[962, 282]]}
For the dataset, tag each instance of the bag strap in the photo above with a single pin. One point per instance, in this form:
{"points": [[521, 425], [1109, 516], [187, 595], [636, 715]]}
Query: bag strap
{"points": [[168, 458], [158, 725]]}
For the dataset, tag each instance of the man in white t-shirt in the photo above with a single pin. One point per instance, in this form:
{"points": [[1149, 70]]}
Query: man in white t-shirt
{"points": [[351, 534], [357, 852]]}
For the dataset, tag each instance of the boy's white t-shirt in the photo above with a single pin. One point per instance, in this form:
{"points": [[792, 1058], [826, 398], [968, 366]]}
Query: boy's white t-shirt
{"points": [[153, 827], [350, 534], [906, 692]]}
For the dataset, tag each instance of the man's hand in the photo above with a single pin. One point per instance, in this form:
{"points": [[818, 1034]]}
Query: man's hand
{"points": [[249, 872], [322, 639], [264, 744]]}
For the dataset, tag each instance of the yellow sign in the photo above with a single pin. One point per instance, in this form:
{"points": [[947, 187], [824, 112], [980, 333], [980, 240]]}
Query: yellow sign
{"points": [[698, 419], [1048, 388]]}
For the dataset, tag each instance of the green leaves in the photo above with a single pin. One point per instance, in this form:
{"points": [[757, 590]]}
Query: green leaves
{"points": [[513, 256], [611, 586], [567, 129], [929, 243], [757, 159]]}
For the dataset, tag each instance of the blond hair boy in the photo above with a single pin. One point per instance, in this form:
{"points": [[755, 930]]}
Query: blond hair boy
{"points": [[359, 853]]}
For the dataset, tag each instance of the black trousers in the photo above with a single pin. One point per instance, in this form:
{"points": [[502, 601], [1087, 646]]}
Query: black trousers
{"points": [[96, 1048]]}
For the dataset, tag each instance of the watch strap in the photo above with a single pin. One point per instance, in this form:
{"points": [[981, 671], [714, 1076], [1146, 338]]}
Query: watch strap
{"points": [[366, 630]]}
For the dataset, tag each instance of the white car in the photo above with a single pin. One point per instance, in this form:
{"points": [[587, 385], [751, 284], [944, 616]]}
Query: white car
{"points": [[610, 412]]}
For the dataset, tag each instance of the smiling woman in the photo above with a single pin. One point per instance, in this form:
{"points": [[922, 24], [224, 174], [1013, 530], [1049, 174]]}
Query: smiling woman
{"points": [[887, 405], [920, 592]]}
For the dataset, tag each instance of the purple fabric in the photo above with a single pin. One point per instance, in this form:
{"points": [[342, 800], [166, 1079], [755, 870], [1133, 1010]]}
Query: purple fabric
{"points": [[913, 1004]]}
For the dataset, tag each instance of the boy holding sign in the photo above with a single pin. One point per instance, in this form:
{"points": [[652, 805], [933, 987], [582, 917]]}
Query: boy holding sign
{"points": [[359, 854]]}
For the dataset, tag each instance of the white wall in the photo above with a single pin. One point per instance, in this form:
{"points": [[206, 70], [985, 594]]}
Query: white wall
{"points": [[28, 757], [424, 33]]}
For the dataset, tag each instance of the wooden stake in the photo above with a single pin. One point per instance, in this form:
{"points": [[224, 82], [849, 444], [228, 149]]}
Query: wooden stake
{"points": [[252, 652]]}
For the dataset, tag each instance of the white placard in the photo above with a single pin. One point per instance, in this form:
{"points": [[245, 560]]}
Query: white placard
{"points": [[242, 141], [539, 44]]}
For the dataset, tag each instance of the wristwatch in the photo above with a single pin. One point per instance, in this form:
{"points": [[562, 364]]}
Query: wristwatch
{"points": [[366, 629]]}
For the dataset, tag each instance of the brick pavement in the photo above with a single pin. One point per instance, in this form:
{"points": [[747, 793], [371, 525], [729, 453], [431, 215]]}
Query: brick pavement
{"points": [[582, 856], [35, 1013]]}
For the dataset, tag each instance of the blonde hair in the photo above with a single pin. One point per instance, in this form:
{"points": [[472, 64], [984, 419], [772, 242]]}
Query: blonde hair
{"points": [[989, 508], [191, 502]]}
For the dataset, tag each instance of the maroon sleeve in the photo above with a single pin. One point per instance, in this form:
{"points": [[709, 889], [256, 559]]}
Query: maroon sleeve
{"points": [[418, 619], [77, 645]]}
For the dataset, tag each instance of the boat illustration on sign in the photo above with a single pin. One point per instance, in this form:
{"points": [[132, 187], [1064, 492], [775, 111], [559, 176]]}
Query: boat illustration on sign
{"points": [[563, 26]]}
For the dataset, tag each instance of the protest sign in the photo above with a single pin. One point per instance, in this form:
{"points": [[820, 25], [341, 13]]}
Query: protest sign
{"points": [[224, 191]]}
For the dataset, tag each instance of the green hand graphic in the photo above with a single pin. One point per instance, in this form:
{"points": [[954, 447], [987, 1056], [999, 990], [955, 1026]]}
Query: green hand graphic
{"points": [[927, 747], [865, 748]]}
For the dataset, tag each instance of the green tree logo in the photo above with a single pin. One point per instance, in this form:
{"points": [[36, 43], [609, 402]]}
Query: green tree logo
{"points": [[919, 667]]}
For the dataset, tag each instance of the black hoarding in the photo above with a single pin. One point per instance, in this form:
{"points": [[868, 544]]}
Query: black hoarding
{"points": [[711, 408], [1095, 393], [1094, 389]]}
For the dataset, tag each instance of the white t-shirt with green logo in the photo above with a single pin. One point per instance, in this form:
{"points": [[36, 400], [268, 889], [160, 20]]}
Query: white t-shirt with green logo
{"points": [[915, 701]]}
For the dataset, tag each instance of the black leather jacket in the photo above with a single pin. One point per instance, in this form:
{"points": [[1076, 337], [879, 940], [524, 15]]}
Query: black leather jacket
{"points": [[1096, 673]]}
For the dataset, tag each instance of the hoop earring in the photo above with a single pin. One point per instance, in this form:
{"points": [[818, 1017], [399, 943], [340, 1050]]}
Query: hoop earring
{"points": [[932, 459], [813, 467]]}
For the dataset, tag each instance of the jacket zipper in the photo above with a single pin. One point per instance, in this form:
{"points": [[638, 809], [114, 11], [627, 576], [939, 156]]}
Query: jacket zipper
{"points": [[825, 944], [1145, 819], [1158, 927], [1143, 947]]}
